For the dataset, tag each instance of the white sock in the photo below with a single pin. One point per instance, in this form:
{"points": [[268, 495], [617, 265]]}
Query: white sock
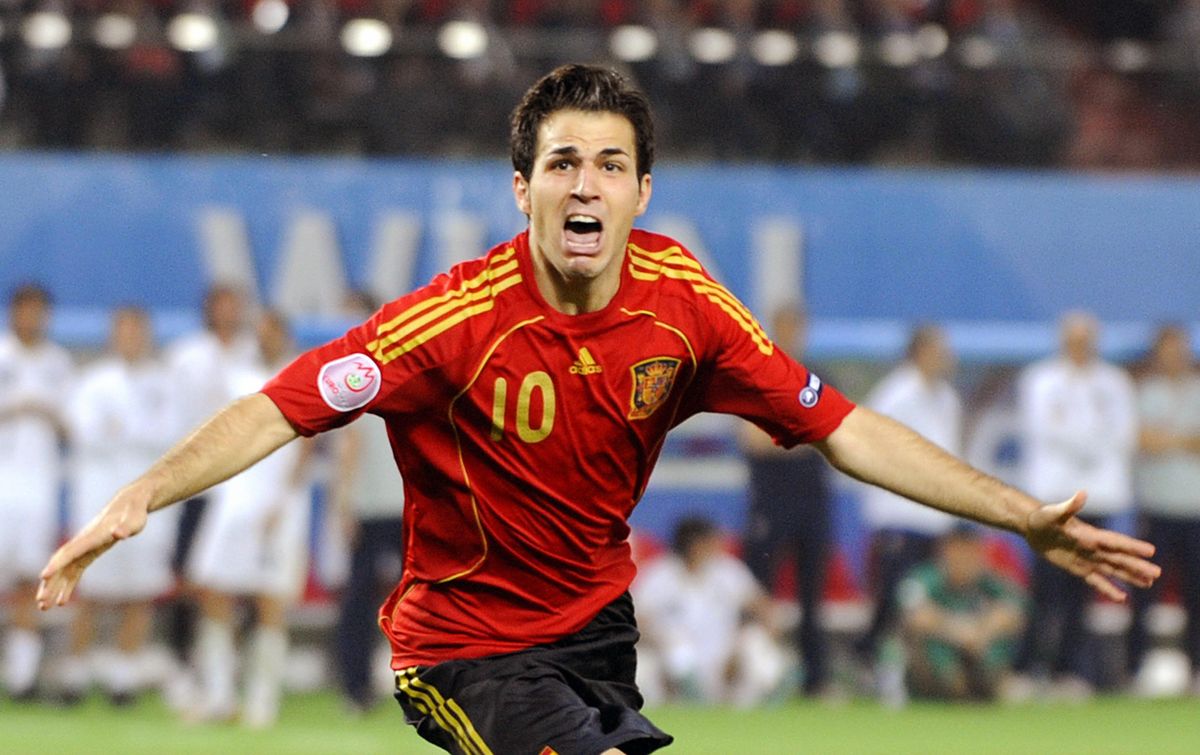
{"points": [[264, 677], [22, 656], [121, 673], [216, 664], [75, 674]]}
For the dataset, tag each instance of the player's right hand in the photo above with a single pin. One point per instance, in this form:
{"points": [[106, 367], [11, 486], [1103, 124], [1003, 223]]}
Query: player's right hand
{"points": [[123, 517]]}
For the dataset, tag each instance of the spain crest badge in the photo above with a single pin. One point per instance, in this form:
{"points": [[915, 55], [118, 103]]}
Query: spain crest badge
{"points": [[652, 381]]}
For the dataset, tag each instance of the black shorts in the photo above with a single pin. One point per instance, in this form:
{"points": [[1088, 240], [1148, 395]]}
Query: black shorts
{"points": [[573, 697]]}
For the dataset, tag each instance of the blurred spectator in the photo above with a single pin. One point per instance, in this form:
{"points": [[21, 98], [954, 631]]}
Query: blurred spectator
{"points": [[252, 545], [961, 621], [993, 434], [1116, 126], [706, 624], [152, 83], [1013, 110], [868, 80], [919, 394], [1168, 486], [35, 382], [121, 421], [1080, 431], [367, 498], [789, 516], [200, 365]]}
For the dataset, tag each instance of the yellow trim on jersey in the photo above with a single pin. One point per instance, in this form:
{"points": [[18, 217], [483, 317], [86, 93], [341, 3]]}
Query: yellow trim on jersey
{"points": [[673, 263], [447, 713], [419, 307], [429, 318], [462, 463]]}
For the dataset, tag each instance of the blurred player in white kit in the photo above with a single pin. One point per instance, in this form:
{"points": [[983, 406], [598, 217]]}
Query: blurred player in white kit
{"points": [[708, 634], [35, 378], [121, 418], [253, 544], [200, 364]]}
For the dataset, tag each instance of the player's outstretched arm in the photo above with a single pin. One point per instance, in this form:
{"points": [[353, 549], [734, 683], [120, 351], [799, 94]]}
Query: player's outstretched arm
{"points": [[232, 440], [875, 449]]}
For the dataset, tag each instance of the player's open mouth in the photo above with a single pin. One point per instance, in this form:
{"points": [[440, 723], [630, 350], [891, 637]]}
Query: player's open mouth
{"points": [[581, 234]]}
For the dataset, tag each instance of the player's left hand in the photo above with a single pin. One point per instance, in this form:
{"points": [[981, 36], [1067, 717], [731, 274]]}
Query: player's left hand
{"points": [[1100, 557], [123, 517]]}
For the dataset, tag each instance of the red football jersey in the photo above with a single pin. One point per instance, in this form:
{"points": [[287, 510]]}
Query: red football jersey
{"points": [[525, 436]]}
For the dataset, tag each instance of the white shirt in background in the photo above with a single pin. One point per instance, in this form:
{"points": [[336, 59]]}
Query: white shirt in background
{"points": [[935, 411], [253, 540], [30, 458], [122, 418], [202, 367], [376, 490], [31, 467], [1079, 426], [1168, 484]]}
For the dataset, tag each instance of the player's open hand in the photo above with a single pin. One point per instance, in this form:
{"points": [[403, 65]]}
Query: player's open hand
{"points": [[1100, 557], [124, 516]]}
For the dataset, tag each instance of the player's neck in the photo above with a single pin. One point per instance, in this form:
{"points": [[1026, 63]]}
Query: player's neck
{"points": [[575, 296]]}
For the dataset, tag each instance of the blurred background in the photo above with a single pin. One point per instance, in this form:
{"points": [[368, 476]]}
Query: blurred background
{"points": [[1039, 83], [983, 166]]}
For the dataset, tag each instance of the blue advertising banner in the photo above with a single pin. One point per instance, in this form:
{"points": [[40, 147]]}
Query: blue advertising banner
{"points": [[956, 245]]}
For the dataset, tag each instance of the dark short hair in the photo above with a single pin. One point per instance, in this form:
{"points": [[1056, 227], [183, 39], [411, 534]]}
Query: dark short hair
{"points": [[921, 336], [1167, 331], [691, 530], [214, 292], [27, 292], [591, 89]]}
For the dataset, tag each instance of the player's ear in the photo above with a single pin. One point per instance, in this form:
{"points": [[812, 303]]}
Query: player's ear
{"points": [[521, 192], [643, 194]]}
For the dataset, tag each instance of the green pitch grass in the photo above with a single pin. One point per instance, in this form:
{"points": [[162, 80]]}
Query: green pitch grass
{"points": [[315, 724]]}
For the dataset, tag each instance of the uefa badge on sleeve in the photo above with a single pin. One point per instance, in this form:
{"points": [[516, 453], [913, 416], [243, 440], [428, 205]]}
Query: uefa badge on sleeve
{"points": [[811, 393], [349, 383]]}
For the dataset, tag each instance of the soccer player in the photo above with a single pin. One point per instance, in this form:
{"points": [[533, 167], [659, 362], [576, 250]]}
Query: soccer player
{"points": [[706, 624], [528, 394], [919, 394], [252, 544], [121, 418], [200, 364], [35, 380]]}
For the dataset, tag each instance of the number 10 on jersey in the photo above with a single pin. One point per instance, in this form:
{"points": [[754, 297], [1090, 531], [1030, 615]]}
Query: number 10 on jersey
{"points": [[527, 430]]}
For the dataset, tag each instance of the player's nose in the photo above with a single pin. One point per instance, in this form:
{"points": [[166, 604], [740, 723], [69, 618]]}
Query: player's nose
{"points": [[585, 182]]}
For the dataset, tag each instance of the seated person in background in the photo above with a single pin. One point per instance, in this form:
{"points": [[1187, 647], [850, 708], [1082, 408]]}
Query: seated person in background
{"points": [[960, 620], [706, 625]]}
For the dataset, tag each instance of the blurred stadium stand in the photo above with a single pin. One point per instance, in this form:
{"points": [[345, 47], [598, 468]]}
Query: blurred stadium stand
{"points": [[997, 82]]}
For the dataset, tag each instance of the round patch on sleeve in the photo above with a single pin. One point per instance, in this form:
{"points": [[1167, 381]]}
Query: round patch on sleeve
{"points": [[811, 393], [349, 383]]}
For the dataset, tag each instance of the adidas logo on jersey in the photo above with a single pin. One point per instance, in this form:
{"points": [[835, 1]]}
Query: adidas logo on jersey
{"points": [[585, 364]]}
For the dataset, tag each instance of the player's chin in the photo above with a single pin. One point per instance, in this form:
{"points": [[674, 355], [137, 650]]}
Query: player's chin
{"points": [[583, 267]]}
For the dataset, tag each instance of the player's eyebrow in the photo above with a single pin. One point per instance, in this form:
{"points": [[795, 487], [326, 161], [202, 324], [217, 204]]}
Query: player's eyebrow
{"points": [[570, 150]]}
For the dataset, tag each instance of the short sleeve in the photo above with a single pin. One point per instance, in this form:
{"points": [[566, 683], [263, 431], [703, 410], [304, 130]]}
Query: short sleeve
{"points": [[331, 385], [747, 375]]}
